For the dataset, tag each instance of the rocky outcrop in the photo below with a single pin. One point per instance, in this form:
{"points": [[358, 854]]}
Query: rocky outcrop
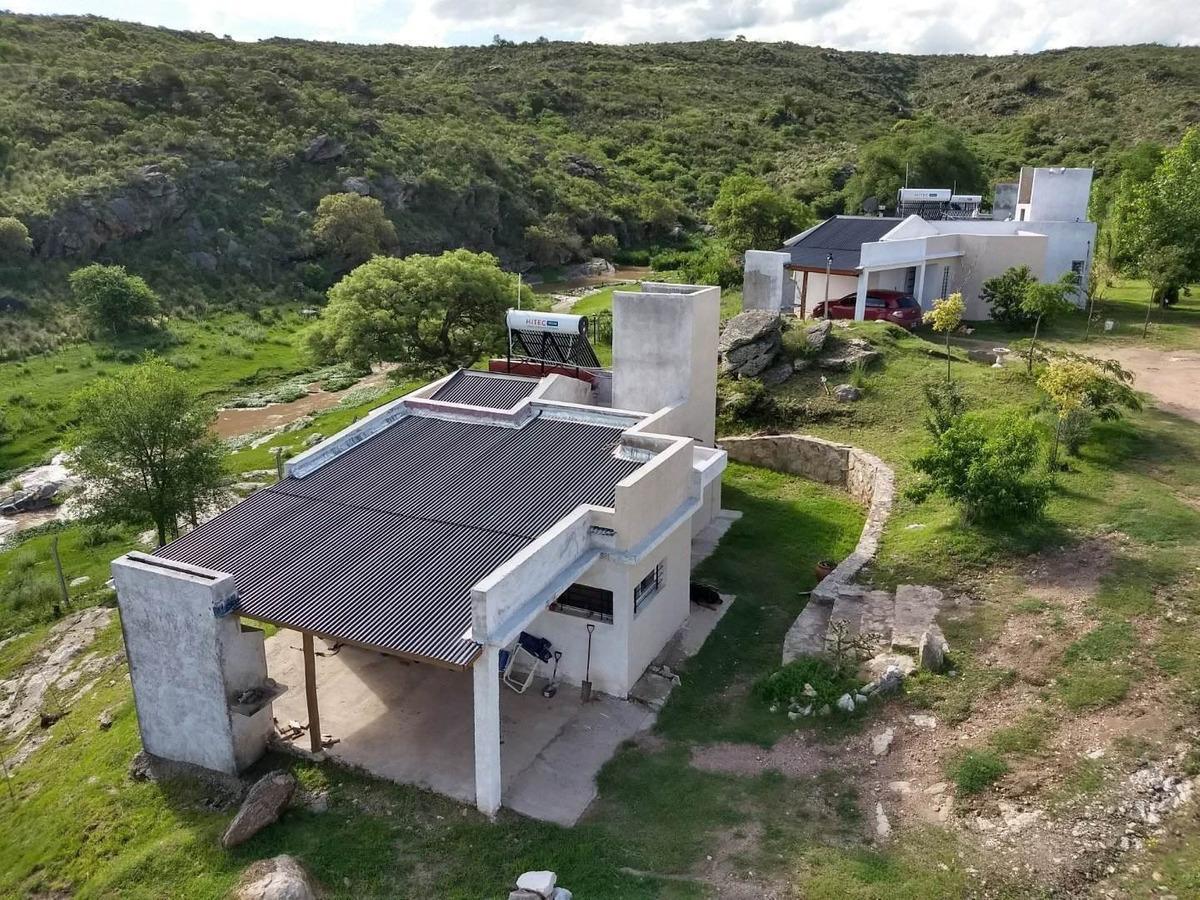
{"points": [[816, 335], [581, 167], [323, 148], [593, 268], [750, 343], [279, 878], [846, 357], [148, 200], [262, 807]]}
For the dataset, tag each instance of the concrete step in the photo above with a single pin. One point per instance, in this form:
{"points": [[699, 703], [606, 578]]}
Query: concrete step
{"points": [[879, 614], [806, 637], [916, 607]]}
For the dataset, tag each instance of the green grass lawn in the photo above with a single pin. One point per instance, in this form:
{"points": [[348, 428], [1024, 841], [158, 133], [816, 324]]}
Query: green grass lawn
{"points": [[1124, 304], [223, 355]]}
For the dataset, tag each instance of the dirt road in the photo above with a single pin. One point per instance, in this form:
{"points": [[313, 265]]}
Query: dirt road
{"points": [[1171, 377]]}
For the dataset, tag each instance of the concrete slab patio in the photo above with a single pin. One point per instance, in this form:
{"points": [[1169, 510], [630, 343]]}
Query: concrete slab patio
{"points": [[413, 723]]}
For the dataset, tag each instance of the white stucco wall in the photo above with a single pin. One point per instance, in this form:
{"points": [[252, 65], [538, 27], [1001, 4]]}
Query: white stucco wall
{"points": [[764, 281], [839, 286], [610, 640], [185, 662], [663, 615]]}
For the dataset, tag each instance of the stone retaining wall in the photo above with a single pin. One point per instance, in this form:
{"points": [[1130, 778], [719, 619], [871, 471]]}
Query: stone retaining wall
{"points": [[865, 477]]}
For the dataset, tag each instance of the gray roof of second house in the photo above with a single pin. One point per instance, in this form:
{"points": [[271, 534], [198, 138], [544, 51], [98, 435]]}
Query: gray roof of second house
{"points": [[485, 389], [841, 236], [381, 546]]}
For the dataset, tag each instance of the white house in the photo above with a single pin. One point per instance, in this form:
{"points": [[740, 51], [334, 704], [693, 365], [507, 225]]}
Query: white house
{"points": [[932, 257], [439, 528]]}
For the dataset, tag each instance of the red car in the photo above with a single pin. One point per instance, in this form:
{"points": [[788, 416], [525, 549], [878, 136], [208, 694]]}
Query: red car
{"points": [[896, 307]]}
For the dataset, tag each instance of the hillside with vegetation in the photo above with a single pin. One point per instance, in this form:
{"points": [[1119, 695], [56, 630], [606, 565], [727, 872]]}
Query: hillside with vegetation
{"points": [[199, 162]]}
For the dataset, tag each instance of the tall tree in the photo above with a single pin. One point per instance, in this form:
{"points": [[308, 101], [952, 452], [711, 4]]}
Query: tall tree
{"points": [[1165, 211], [352, 228], [928, 152], [750, 214], [145, 449], [427, 313], [112, 299], [1045, 301]]}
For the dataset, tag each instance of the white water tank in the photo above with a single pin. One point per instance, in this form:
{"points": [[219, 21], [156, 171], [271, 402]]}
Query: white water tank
{"points": [[558, 323]]}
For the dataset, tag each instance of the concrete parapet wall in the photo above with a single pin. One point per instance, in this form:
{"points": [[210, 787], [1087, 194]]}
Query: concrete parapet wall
{"points": [[866, 478]]}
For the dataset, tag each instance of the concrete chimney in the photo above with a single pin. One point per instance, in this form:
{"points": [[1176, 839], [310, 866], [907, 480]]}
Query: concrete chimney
{"points": [[665, 355]]}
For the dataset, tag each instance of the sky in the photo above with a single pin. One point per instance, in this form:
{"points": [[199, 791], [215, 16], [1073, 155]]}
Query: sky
{"points": [[913, 26]]}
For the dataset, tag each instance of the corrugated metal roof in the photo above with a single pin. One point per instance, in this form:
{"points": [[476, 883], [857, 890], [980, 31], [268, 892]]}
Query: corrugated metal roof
{"points": [[843, 236], [382, 545], [482, 389]]}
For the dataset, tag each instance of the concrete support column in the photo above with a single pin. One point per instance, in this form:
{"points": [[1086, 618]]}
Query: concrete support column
{"points": [[919, 287], [860, 301], [487, 730]]}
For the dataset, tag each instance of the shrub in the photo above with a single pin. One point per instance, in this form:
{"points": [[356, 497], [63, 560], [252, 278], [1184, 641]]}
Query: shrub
{"points": [[605, 246], [946, 404], [1005, 294], [112, 299], [785, 687], [975, 770], [15, 242], [988, 472]]}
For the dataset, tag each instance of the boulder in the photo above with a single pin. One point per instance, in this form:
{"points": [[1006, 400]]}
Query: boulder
{"points": [[279, 878], [856, 351], [541, 883], [582, 167], [845, 703], [847, 393], [356, 184], [932, 649], [982, 356], [816, 335], [749, 342], [323, 148], [262, 806], [777, 374]]}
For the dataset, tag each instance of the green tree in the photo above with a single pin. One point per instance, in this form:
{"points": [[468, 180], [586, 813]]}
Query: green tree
{"points": [[145, 448], [15, 242], [352, 228], [1004, 295], [1166, 268], [427, 313], [112, 299], [552, 242], [988, 472], [944, 318], [750, 214], [1080, 387], [659, 212], [925, 152], [1165, 211], [1046, 301], [605, 246]]}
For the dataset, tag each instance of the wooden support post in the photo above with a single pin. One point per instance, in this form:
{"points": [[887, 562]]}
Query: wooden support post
{"points": [[804, 296], [310, 693]]}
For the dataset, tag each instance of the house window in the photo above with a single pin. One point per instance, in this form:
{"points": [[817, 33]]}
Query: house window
{"points": [[1077, 270], [910, 279], [945, 282], [648, 587], [585, 601]]}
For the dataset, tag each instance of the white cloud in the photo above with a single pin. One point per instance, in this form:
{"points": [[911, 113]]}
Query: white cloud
{"points": [[931, 26]]}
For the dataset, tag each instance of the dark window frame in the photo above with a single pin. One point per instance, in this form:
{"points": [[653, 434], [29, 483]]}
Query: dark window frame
{"points": [[586, 602], [649, 587]]}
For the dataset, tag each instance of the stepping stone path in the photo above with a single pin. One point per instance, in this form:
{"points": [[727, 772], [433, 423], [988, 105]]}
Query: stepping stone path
{"points": [[898, 619]]}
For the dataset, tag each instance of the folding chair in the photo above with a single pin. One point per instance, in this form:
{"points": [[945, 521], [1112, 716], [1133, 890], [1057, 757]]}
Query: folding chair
{"points": [[524, 661]]}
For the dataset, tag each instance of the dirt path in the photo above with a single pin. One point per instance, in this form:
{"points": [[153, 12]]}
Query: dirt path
{"points": [[1171, 377]]}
